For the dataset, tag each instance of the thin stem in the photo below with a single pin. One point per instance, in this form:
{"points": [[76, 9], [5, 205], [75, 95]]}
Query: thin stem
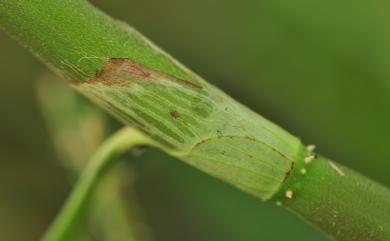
{"points": [[114, 147]]}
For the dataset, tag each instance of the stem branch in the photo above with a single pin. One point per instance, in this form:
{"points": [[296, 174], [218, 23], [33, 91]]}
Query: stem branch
{"points": [[114, 147]]}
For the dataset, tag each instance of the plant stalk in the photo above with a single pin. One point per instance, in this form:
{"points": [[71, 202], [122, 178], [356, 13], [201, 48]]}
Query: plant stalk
{"points": [[123, 72], [115, 146], [337, 200]]}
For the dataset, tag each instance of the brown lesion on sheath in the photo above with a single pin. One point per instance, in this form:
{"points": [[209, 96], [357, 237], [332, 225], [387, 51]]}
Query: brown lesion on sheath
{"points": [[288, 173], [122, 72], [175, 114]]}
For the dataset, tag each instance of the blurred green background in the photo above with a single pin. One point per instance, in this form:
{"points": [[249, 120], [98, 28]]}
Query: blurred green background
{"points": [[320, 69]]}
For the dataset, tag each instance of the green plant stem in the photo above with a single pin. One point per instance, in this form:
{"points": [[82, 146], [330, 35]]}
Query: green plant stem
{"points": [[120, 70], [339, 201], [155, 93], [114, 147], [75, 39]]}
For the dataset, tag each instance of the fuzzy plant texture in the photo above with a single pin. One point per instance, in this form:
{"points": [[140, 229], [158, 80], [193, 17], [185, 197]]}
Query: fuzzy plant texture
{"points": [[176, 110]]}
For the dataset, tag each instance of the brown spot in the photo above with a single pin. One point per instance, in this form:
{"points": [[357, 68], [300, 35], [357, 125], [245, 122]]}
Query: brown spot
{"points": [[175, 114], [288, 173], [122, 72], [251, 138]]}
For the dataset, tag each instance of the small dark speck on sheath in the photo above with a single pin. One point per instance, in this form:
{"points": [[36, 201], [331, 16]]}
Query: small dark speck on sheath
{"points": [[175, 114]]}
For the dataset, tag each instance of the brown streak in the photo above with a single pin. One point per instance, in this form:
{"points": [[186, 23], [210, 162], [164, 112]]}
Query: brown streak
{"points": [[288, 173], [284, 156], [122, 71], [200, 143]]}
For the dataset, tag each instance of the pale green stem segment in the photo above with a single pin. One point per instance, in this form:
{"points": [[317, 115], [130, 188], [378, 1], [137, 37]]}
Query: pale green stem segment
{"points": [[337, 200], [114, 147], [120, 70]]}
